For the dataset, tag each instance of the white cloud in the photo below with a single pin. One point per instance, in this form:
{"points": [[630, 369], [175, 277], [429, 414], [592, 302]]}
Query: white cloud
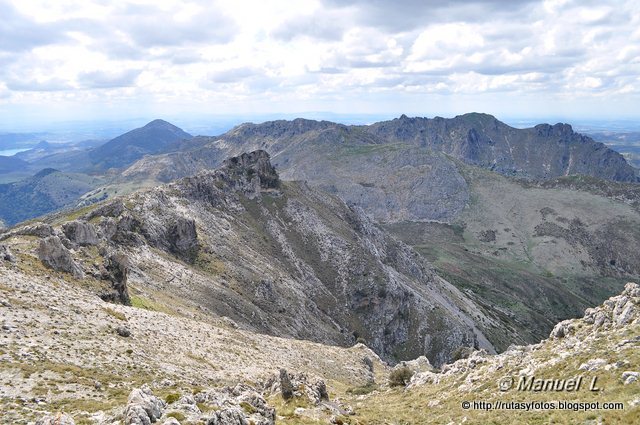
{"points": [[233, 54]]}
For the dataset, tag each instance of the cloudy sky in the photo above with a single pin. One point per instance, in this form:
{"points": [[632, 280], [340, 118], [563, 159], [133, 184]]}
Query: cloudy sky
{"points": [[84, 59]]}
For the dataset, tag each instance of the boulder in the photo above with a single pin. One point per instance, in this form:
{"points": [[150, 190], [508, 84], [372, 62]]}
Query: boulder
{"points": [[123, 331], [229, 416], [143, 408], [53, 254], [630, 377], [40, 230], [562, 329], [81, 233], [286, 388]]}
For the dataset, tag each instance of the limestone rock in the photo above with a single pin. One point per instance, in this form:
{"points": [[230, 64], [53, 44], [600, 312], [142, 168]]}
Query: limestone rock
{"points": [[41, 230], [423, 378], [421, 364], [53, 254], [238, 405], [6, 254], [116, 271], [593, 364], [561, 330], [123, 331], [80, 233], [230, 416], [298, 385], [183, 239], [286, 388], [630, 377], [143, 408]]}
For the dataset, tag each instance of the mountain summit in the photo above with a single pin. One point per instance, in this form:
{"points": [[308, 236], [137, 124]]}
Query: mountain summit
{"points": [[153, 138]]}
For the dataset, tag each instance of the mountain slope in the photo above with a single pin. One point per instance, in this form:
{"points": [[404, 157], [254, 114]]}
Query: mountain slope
{"points": [[42, 193], [153, 138], [281, 258]]}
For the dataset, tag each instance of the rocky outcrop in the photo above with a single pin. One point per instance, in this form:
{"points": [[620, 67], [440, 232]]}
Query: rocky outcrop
{"points": [[616, 316], [239, 405], [615, 312], [116, 271], [143, 408], [55, 255], [80, 233], [40, 230], [297, 385], [182, 238]]}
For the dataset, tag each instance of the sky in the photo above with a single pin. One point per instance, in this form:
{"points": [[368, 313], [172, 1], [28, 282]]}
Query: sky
{"points": [[108, 60]]}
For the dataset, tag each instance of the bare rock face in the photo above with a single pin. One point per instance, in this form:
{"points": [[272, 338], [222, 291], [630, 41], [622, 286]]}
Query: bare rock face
{"points": [[143, 408], [252, 165], [57, 419], [116, 271], [183, 239], [81, 233], [55, 255]]}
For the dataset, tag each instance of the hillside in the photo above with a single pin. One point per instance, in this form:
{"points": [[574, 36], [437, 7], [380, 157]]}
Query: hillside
{"points": [[46, 191]]}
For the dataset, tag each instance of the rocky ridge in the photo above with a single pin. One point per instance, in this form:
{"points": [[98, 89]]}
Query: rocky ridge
{"points": [[278, 258]]}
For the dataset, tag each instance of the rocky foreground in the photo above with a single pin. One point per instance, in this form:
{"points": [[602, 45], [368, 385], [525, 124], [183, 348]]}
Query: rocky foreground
{"points": [[68, 357]]}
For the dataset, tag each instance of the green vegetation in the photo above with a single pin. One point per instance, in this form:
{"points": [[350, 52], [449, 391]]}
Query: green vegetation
{"points": [[364, 389], [400, 377], [172, 398], [177, 415]]}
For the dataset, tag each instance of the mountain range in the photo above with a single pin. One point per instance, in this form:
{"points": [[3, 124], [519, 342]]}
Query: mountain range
{"points": [[141, 308]]}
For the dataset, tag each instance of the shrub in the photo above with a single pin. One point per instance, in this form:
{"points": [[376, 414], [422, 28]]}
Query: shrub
{"points": [[400, 377], [172, 398]]}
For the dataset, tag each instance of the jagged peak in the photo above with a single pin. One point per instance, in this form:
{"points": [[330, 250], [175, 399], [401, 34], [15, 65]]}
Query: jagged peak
{"points": [[248, 165]]}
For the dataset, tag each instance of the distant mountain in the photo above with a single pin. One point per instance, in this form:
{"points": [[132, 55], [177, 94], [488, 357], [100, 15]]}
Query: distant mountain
{"points": [[44, 192], [153, 138], [542, 152], [10, 164]]}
